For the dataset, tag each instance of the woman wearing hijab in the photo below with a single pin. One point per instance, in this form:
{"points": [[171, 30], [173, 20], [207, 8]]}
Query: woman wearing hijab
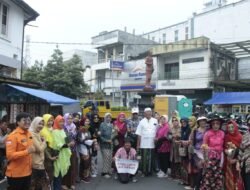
{"points": [[213, 142], [233, 139], [50, 153], [71, 132], [163, 146], [121, 128], [62, 164], [196, 157], [174, 152], [76, 120], [38, 179], [192, 122], [244, 156], [184, 142], [95, 126], [107, 132]]}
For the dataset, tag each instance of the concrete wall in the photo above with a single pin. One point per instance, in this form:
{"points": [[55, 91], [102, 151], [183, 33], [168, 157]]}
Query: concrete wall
{"points": [[244, 68], [11, 44], [191, 75], [227, 24]]}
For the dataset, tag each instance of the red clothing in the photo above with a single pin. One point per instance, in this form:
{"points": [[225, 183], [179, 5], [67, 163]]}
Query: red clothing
{"points": [[162, 132], [122, 129]]}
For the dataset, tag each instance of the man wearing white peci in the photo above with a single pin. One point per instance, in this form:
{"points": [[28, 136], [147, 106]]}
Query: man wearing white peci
{"points": [[146, 132]]}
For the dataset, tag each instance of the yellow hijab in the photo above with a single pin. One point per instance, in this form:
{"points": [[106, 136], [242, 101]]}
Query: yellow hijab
{"points": [[46, 132], [193, 119]]}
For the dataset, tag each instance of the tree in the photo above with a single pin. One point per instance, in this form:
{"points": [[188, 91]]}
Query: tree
{"points": [[64, 78], [34, 73]]}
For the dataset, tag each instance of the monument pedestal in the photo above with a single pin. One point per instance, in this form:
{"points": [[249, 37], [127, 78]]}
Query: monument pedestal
{"points": [[146, 100]]}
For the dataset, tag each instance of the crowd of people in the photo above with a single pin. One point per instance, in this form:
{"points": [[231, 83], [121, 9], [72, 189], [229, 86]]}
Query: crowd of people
{"points": [[56, 152]]}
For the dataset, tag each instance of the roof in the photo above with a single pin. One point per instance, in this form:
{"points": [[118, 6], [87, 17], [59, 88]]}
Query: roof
{"points": [[48, 96], [239, 49], [31, 13], [224, 98]]}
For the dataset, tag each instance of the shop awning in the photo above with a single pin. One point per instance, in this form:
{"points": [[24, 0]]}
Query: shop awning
{"points": [[48, 96], [229, 98]]}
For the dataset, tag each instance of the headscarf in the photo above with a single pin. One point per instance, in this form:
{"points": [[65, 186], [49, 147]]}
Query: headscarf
{"points": [[235, 137], [118, 123], [193, 119], [82, 124], [105, 117], [34, 124], [185, 131], [164, 129], [46, 132], [69, 127], [56, 122]]}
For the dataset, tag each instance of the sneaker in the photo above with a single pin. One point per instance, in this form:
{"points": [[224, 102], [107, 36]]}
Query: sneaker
{"points": [[134, 180], [64, 187], [159, 173], [94, 175], [107, 176], [86, 180], [2, 180], [188, 187], [115, 176]]}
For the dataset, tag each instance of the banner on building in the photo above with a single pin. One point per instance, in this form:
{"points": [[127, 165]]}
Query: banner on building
{"points": [[126, 166]]}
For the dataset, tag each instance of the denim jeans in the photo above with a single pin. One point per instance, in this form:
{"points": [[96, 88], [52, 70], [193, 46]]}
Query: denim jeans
{"points": [[57, 183]]}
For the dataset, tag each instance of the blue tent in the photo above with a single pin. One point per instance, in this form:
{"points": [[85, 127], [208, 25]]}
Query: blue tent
{"points": [[50, 97], [229, 98]]}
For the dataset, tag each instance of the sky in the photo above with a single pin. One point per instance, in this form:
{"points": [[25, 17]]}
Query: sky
{"points": [[79, 20]]}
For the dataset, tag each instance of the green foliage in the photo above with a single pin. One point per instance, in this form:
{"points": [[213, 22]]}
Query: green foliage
{"points": [[64, 78], [99, 95], [34, 73]]}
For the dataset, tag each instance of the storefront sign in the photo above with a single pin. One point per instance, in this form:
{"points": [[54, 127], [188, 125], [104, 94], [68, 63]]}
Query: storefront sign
{"points": [[117, 65]]}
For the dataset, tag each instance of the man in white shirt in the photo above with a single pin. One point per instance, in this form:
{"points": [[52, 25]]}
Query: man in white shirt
{"points": [[146, 132]]}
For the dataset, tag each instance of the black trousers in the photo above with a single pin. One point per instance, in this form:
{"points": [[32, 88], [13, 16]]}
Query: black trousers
{"points": [[20, 183], [164, 161]]}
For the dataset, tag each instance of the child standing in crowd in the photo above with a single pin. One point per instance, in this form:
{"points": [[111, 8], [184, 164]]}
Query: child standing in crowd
{"points": [[84, 144]]}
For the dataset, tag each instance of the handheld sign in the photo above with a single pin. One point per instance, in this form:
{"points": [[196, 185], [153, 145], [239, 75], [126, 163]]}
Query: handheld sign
{"points": [[126, 166]]}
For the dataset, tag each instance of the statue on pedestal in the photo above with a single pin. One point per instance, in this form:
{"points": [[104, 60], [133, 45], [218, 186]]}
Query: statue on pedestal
{"points": [[149, 72]]}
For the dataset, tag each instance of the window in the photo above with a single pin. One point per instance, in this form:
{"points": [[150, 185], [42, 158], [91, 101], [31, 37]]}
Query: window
{"points": [[164, 38], [186, 33], [176, 34], [3, 19], [171, 71], [193, 60]]}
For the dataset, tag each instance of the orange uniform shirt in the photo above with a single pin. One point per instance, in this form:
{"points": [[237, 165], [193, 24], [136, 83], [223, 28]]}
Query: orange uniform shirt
{"points": [[19, 160]]}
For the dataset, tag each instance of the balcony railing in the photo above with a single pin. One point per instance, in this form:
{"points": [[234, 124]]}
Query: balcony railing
{"points": [[116, 58]]}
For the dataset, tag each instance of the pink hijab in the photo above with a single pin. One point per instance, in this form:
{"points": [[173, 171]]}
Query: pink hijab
{"points": [[121, 125]]}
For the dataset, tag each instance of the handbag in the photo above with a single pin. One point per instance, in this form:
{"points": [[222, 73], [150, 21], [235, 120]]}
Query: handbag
{"points": [[191, 149], [182, 151]]}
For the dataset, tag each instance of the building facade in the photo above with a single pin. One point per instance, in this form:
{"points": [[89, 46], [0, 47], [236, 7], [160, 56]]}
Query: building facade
{"points": [[114, 49], [227, 23], [14, 15]]}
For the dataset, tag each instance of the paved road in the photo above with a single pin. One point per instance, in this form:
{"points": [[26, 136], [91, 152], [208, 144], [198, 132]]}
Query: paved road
{"points": [[148, 183]]}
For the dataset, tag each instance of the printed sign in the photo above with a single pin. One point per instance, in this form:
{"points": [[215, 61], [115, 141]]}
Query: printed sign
{"points": [[126, 166], [117, 65]]}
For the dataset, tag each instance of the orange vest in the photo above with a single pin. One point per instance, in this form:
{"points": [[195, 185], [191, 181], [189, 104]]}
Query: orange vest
{"points": [[19, 160]]}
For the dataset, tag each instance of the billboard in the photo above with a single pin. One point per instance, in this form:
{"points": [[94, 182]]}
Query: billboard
{"points": [[134, 75]]}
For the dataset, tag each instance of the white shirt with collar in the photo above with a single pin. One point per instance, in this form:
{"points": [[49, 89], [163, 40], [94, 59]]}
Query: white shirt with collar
{"points": [[147, 129]]}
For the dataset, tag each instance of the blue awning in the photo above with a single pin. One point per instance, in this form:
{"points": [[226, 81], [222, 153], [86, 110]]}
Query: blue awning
{"points": [[50, 97], [229, 98]]}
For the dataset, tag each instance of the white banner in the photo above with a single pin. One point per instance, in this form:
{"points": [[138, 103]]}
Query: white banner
{"points": [[126, 166]]}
